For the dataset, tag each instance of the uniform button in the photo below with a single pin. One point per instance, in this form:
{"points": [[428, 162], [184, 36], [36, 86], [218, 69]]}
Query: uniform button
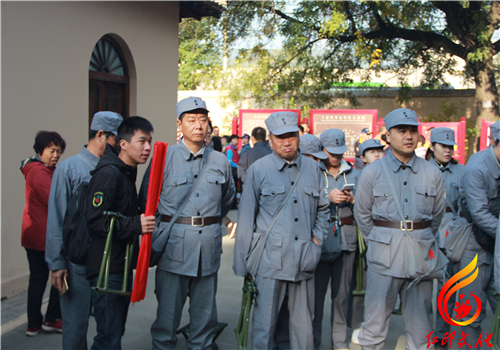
{"points": [[195, 176], [216, 182], [175, 183], [405, 183], [404, 168], [295, 201], [426, 194], [385, 194], [406, 200], [406, 217], [197, 195], [296, 219], [292, 183], [296, 238], [273, 193], [200, 231], [290, 166], [198, 213]]}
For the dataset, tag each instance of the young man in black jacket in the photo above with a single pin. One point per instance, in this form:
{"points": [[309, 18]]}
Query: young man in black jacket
{"points": [[112, 188]]}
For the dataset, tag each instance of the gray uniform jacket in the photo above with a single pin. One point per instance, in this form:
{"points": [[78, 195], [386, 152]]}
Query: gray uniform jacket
{"points": [[480, 186], [452, 173], [290, 254], [420, 188], [348, 233], [249, 157], [187, 244], [67, 177]]}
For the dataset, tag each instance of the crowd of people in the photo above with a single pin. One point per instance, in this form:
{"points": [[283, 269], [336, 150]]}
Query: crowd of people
{"points": [[307, 220]]}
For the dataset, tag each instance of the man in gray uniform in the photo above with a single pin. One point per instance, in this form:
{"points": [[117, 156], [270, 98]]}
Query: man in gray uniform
{"points": [[479, 188], [336, 264], [419, 187], [191, 246], [293, 247], [75, 303]]}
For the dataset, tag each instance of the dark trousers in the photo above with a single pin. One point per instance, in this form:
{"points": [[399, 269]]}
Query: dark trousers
{"points": [[110, 313], [39, 274], [235, 179]]}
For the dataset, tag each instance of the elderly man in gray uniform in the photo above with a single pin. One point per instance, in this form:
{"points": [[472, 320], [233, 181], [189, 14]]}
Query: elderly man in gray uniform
{"points": [[76, 302], [197, 193], [336, 264], [395, 245], [479, 188], [284, 179]]}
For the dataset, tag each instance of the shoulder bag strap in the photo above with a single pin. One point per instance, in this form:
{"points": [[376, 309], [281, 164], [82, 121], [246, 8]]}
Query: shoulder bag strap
{"points": [[278, 214], [159, 243]]}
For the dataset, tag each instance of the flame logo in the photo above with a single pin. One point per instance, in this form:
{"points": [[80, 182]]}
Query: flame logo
{"points": [[449, 290]]}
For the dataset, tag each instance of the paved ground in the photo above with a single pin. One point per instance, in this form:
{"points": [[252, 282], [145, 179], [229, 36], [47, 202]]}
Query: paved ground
{"points": [[141, 316]]}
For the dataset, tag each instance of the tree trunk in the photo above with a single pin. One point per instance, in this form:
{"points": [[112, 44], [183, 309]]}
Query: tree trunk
{"points": [[486, 91]]}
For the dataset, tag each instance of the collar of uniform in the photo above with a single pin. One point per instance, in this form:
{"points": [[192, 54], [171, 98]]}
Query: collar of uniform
{"points": [[495, 166], [344, 168], [280, 162], [187, 153], [89, 155], [396, 164], [441, 167]]}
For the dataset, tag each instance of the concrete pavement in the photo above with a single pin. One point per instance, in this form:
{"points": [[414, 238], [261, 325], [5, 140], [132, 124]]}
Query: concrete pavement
{"points": [[141, 316]]}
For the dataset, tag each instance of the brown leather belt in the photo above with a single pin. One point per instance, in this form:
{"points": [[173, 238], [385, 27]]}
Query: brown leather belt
{"points": [[399, 224], [197, 221], [449, 210], [348, 220]]}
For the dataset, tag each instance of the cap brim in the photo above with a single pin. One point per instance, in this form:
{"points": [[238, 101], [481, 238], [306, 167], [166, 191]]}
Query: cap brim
{"points": [[369, 148], [321, 155], [336, 150], [447, 142], [285, 129], [194, 109], [410, 123]]}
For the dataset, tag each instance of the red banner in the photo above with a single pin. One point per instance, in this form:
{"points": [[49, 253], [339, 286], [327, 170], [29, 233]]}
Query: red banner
{"points": [[484, 141], [154, 189]]}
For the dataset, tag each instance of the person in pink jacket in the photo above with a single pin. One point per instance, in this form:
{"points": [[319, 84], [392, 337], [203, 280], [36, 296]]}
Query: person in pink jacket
{"points": [[38, 171]]}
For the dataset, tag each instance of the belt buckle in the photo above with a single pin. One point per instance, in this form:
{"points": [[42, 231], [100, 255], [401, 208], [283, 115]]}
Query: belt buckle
{"points": [[407, 222], [197, 217]]}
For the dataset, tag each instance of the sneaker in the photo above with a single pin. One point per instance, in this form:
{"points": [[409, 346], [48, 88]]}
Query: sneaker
{"points": [[52, 326], [31, 332], [354, 336]]}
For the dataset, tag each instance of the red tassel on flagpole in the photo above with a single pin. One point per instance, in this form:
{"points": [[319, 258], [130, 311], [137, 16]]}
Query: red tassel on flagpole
{"points": [[154, 189]]}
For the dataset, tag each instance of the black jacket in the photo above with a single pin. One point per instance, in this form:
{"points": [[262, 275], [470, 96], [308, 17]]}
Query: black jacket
{"points": [[108, 193]]}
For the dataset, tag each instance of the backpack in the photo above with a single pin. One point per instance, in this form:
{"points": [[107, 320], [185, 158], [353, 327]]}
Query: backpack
{"points": [[76, 238]]}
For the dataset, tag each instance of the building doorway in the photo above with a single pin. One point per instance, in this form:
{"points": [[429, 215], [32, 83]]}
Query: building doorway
{"points": [[109, 88]]}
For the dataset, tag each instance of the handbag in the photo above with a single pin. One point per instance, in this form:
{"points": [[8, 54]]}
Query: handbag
{"points": [[161, 240], [417, 264], [259, 240]]}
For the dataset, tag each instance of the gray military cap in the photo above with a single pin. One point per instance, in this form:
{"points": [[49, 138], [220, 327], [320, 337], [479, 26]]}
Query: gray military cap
{"points": [[495, 130], [401, 116], [106, 121], [369, 144], [444, 136], [333, 140], [279, 123], [189, 104], [310, 144]]}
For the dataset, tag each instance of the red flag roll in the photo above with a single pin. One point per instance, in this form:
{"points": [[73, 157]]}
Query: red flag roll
{"points": [[154, 189]]}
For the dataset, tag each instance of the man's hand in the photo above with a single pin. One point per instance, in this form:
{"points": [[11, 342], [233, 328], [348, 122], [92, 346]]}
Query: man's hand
{"points": [[148, 223], [337, 196], [57, 278], [350, 198], [315, 240]]}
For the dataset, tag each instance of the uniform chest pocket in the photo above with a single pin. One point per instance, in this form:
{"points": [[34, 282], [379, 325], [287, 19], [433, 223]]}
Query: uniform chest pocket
{"points": [[425, 196], [271, 198], [176, 187], [383, 200], [214, 187], [311, 199]]}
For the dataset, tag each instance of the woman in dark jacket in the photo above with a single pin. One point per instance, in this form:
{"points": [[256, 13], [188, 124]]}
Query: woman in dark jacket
{"points": [[38, 172]]}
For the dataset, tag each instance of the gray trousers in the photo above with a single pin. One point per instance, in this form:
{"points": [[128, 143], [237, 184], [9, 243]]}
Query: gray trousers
{"points": [[75, 310], [356, 303], [267, 305], [171, 292], [483, 287], [442, 327], [338, 274], [380, 299]]}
